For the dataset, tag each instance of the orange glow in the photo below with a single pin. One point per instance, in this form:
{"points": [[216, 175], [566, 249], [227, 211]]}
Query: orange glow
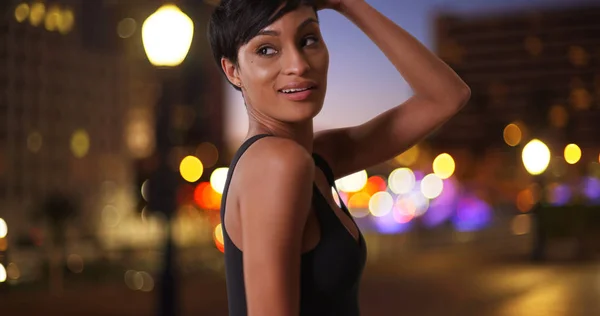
{"points": [[374, 185], [218, 238], [206, 197], [359, 200], [525, 200]]}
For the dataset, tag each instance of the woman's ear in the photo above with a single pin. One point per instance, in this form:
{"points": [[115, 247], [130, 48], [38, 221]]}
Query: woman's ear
{"points": [[231, 71]]}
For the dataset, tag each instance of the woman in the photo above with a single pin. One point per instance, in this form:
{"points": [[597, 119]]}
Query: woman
{"points": [[289, 249]]}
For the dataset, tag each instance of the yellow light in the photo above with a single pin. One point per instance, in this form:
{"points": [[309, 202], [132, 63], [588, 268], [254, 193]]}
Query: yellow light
{"points": [[191, 169], [218, 233], [80, 143], [536, 157], [21, 12], [512, 134], [353, 182], [2, 273], [52, 18], [36, 15], [218, 179], [443, 166], [66, 22], [167, 36], [572, 154], [3, 228], [432, 186], [408, 157]]}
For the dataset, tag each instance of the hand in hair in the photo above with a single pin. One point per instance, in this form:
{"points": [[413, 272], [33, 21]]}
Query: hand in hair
{"points": [[338, 5]]}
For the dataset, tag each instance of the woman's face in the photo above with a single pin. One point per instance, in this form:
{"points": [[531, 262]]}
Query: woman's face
{"points": [[283, 70]]}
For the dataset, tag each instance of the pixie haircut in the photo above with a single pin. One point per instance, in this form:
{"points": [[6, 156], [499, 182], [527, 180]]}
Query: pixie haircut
{"points": [[234, 23]]}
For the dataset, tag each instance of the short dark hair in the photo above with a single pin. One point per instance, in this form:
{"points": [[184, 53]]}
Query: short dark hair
{"points": [[234, 23]]}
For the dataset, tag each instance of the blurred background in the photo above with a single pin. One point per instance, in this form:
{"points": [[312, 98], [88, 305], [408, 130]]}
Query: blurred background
{"points": [[114, 148]]}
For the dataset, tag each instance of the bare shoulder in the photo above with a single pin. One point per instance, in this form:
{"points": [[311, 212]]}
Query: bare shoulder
{"points": [[273, 158]]}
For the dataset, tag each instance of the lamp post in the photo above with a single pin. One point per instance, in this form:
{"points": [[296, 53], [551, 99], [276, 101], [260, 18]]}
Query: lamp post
{"points": [[167, 36], [536, 157]]}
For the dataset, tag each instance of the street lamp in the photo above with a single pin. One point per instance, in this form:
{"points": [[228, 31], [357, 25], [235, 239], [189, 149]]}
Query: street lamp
{"points": [[536, 157], [167, 36]]}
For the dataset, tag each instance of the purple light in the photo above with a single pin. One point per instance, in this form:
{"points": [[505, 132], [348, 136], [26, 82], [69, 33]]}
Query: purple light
{"points": [[387, 225], [442, 207], [471, 214], [560, 194], [591, 188]]}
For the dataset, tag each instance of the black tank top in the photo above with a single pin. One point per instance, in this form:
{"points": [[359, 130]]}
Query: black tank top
{"points": [[330, 273]]}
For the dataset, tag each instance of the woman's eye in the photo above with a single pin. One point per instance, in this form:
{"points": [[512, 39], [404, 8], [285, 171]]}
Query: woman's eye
{"points": [[266, 51], [310, 40]]}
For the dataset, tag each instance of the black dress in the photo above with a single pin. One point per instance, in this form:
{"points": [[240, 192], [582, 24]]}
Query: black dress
{"points": [[330, 273]]}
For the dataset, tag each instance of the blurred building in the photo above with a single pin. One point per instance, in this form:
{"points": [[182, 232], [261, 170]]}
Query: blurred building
{"points": [[536, 69], [77, 96]]}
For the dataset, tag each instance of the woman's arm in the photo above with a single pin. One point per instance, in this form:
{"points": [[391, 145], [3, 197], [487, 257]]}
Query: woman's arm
{"points": [[276, 180], [438, 95]]}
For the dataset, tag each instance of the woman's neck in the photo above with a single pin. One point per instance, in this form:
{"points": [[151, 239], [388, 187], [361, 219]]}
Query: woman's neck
{"points": [[302, 132]]}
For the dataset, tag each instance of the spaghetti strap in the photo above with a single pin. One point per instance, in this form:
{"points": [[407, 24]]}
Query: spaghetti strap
{"points": [[322, 164]]}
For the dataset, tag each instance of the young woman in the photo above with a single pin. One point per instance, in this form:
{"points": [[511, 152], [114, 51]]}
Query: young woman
{"points": [[289, 249]]}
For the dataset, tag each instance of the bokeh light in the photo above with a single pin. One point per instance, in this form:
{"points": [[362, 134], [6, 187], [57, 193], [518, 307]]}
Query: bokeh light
{"points": [[75, 263], [80, 143], [2, 273], [36, 13], [358, 204], [126, 27], [22, 12], [353, 182], [512, 135], [431, 186], [191, 169], [443, 166], [408, 157], [572, 154], [401, 180], [3, 228], [208, 154], [381, 203], [218, 237], [218, 179], [536, 157], [472, 214], [521, 224]]}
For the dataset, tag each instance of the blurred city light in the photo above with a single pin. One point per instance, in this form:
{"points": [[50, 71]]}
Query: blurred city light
{"points": [[36, 14], [3, 228], [218, 179], [431, 186], [572, 154], [2, 273], [443, 166], [512, 135], [381, 204], [126, 28], [408, 157], [401, 180], [191, 169], [80, 143], [353, 182], [167, 36], [22, 12], [536, 157]]}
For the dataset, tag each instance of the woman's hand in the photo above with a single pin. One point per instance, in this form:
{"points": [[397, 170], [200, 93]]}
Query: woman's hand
{"points": [[338, 5]]}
